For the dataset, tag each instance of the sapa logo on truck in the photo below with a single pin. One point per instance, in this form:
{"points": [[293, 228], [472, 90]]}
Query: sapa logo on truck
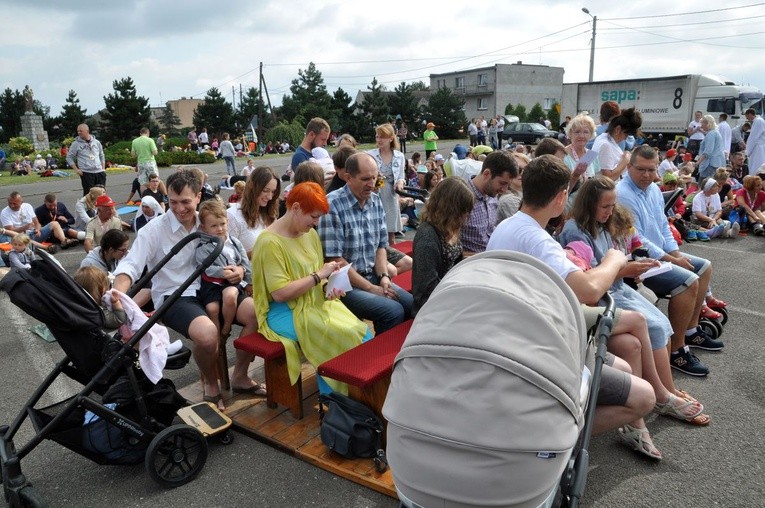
{"points": [[619, 95]]}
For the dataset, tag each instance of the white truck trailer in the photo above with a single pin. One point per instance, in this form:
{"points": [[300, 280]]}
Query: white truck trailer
{"points": [[667, 104]]}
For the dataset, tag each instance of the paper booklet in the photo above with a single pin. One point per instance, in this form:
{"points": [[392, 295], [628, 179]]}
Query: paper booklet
{"points": [[339, 280]]}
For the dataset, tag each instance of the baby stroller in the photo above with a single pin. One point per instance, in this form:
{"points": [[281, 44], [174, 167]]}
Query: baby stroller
{"points": [[119, 417], [488, 397]]}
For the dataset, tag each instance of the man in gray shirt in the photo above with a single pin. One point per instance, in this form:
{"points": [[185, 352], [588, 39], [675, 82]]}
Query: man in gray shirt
{"points": [[86, 156]]}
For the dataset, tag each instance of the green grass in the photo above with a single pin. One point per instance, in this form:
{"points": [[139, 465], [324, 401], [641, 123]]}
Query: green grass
{"points": [[7, 180]]}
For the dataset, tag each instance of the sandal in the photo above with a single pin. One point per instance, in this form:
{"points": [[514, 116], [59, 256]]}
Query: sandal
{"points": [[215, 399], [685, 395], [683, 411], [639, 440]]}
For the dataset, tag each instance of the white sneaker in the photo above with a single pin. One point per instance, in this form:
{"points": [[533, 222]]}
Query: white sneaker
{"points": [[734, 230], [726, 229]]}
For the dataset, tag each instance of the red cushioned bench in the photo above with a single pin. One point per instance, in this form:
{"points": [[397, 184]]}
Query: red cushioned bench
{"points": [[278, 387], [407, 247], [367, 368], [404, 280]]}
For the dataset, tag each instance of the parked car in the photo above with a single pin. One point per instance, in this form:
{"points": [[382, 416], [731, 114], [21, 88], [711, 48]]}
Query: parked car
{"points": [[529, 133]]}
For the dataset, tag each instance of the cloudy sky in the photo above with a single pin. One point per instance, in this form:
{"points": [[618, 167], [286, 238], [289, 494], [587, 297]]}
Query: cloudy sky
{"points": [[173, 49]]}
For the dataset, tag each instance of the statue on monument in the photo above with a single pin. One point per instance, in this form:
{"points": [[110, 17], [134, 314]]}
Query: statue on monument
{"points": [[29, 99]]}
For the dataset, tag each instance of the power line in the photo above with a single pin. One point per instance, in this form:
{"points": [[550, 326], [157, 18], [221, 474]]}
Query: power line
{"points": [[653, 16], [686, 24]]}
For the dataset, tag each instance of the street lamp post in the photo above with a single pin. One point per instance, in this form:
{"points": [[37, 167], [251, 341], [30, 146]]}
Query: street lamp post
{"points": [[592, 42]]}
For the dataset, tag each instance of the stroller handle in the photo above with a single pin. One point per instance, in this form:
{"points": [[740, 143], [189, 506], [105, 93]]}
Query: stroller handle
{"points": [[581, 462]]}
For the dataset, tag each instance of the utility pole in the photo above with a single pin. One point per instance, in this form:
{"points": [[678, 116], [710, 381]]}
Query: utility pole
{"points": [[592, 42]]}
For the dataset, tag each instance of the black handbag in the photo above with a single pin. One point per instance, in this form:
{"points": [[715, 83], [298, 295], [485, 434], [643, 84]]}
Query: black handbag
{"points": [[351, 429]]}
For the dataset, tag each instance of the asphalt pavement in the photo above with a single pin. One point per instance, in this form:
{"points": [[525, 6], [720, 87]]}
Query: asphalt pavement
{"points": [[720, 465]]}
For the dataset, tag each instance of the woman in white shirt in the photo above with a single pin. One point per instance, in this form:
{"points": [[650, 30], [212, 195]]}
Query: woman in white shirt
{"points": [[613, 160], [258, 208]]}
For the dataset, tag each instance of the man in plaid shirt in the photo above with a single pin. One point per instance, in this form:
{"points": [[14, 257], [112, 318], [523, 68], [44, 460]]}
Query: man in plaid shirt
{"points": [[498, 170], [354, 232]]}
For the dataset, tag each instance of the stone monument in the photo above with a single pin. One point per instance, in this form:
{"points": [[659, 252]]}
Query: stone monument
{"points": [[32, 124]]}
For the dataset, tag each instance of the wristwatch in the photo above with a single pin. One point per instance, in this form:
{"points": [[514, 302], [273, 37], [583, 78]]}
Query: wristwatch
{"points": [[381, 275]]}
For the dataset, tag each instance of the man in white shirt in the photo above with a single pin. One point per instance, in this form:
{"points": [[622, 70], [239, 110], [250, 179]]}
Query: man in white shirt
{"points": [[695, 134], [545, 192], [755, 144], [187, 315], [723, 127], [19, 217]]}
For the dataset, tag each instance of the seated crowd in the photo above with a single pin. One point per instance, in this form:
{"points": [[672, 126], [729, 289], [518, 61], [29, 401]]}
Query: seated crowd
{"points": [[598, 222]]}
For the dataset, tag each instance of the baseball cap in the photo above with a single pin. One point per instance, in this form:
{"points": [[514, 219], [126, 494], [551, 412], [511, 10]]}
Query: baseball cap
{"points": [[461, 151], [669, 177], [671, 153], [104, 200], [439, 157]]}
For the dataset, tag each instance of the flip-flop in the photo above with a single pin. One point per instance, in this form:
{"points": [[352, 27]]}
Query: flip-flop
{"points": [[215, 399], [256, 389], [670, 409]]}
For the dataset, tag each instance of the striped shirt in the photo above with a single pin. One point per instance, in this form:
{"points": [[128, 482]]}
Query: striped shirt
{"points": [[352, 232]]}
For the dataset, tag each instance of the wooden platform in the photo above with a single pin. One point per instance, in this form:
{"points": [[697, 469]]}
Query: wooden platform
{"points": [[278, 428]]}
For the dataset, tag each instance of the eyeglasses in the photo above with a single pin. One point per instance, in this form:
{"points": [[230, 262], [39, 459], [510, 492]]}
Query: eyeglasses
{"points": [[647, 171], [122, 250]]}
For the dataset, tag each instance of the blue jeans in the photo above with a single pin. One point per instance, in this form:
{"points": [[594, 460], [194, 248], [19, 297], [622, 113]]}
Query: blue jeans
{"points": [[230, 164], [384, 312], [45, 233]]}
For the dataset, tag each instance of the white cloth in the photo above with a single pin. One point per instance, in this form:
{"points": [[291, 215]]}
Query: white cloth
{"points": [[24, 216], [521, 233], [81, 217], [238, 228], [755, 145], [708, 205], [151, 202], [725, 132], [152, 348], [695, 127], [609, 152], [151, 244]]}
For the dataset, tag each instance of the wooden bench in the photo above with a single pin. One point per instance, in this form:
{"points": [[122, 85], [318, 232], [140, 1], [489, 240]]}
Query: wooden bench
{"points": [[404, 281], [367, 368], [278, 387]]}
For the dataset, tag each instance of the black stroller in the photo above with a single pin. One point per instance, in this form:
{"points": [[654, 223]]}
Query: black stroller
{"points": [[119, 417]]}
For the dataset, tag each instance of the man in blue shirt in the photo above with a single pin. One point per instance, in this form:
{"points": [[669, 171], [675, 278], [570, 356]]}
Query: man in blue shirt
{"points": [[686, 283], [316, 134], [354, 232]]}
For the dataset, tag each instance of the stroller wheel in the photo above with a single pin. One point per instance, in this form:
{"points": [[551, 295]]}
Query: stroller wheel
{"points": [[176, 455], [29, 497], [708, 327], [226, 438], [724, 312]]}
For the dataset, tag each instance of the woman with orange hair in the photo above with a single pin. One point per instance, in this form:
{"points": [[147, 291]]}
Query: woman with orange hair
{"points": [[290, 302]]}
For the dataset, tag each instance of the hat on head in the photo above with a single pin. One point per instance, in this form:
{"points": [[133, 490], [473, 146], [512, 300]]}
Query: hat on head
{"points": [[709, 184], [671, 153], [49, 155], [439, 157], [430, 124], [687, 157], [320, 153], [669, 176], [38, 156], [104, 200], [583, 253], [461, 151], [422, 168]]}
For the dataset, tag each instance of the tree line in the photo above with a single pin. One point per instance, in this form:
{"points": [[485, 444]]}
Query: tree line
{"points": [[125, 111]]}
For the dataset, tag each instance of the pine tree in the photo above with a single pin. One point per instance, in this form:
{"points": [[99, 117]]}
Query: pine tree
{"points": [[309, 97], [72, 115], [249, 106], [375, 105], [126, 112], [404, 103], [11, 109], [169, 122], [445, 110], [216, 114]]}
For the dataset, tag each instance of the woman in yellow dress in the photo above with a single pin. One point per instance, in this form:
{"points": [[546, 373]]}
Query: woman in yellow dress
{"points": [[288, 269]]}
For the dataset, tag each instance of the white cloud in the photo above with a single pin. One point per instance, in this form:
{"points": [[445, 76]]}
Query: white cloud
{"points": [[172, 50]]}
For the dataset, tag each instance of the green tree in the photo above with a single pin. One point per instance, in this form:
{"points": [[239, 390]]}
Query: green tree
{"points": [[169, 121], [536, 114], [309, 97], [519, 111], [125, 112], [342, 105], [375, 105], [11, 109], [215, 113], [404, 103], [419, 86], [554, 116], [248, 107], [72, 115], [445, 110]]}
